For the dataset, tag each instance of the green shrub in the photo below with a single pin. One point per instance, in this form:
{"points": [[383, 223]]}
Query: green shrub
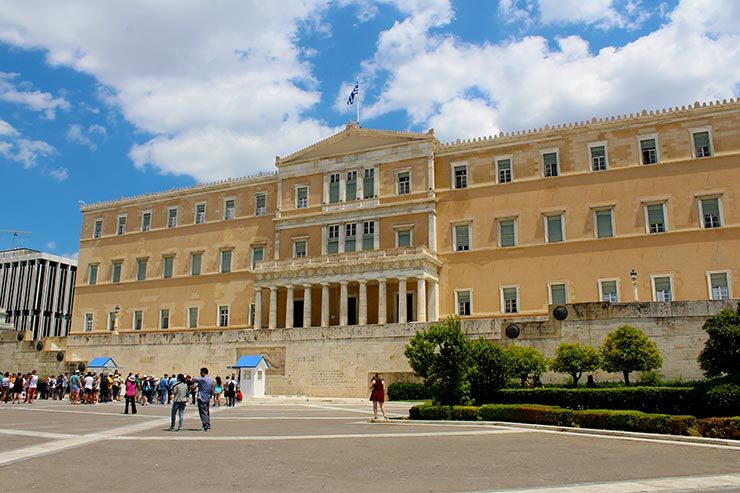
{"points": [[415, 411], [721, 353], [526, 414], [436, 413], [574, 359], [606, 419], [628, 349], [490, 370], [649, 379], [465, 413], [408, 392], [526, 362], [719, 427], [722, 400]]}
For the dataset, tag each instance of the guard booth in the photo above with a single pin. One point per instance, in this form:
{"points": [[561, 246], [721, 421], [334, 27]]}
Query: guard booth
{"points": [[103, 364], [252, 375]]}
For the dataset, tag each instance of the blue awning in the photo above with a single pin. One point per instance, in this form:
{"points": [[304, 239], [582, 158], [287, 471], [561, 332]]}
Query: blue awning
{"points": [[249, 361], [102, 362]]}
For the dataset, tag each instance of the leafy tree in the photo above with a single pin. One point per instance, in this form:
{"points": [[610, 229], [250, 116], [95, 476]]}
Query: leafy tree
{"points": [[526, 361], [574, 359], [490, 370], [441, 356], [628, 349], [721, 353]]}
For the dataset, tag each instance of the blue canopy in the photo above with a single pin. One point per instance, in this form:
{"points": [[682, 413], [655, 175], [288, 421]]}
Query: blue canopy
{"points": [[249, 361], [102, 362]]}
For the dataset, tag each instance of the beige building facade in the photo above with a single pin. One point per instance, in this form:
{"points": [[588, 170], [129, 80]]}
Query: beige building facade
{"points": [[378, 227]]}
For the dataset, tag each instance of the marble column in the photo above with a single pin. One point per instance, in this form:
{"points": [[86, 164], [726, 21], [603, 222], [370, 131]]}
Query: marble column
{"points": [[289, 308], [382, 297], [272, 323], [306, 306], [433, 301], [343, 303], [402, 300], [258, 307], [421, 299], [362, 317], [325, 304]]}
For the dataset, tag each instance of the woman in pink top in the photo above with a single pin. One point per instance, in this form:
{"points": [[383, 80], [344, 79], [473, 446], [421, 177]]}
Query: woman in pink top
{"points": [[131, 393]]}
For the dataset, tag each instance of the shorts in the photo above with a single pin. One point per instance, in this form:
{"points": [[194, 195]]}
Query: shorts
{"points": [[75, 390], [88, 391]]}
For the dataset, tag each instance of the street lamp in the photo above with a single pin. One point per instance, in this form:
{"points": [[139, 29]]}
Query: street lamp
{"points": [[633, 276]]}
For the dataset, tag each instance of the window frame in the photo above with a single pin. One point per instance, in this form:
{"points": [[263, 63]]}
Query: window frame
{"points": [[404, 229], [345, 188], [162, 318], [296, 241], [496, 160], [663, 204], [148, 227], [457, 302], [503, 303], [138, 268], [329, 182], [218, 315], [195, 212], [121, 227], [499, 221], [545, 218], [111, 321], [400, 172], [459, 164], [89, 271], [200, 264], [696, 130], [469, 225], [332, 239], [642, 137], [720, 210], [596, 222], [728, 276], [88, 322], [373, 226], [97, 233], [221, 256], [226, 208], [115, 263], [591, 146], [601, 289], [297, 198], [164, 266], [133, 320], [169, 218], [257, 196], [558, 283], [653, 277], [550, 150], [254, 248], [188, 319]]}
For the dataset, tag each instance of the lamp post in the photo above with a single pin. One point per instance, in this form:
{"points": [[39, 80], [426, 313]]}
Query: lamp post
{"points": [[116, 310], [633, 276]]}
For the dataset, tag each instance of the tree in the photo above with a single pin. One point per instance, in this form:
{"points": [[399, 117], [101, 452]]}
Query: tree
{"points": [[628, 349], [441, 356], [721, 353], [526, 361], [574, 359], [490, 370]]}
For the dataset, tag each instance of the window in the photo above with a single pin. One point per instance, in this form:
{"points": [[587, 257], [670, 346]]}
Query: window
{"points": [[146, 221], [662, 289], [404, 182], [462, 237], [168, 267], [460, 176], [598, 156], [332, 245], [258, 255], [719, 286], [200, 213], [98, 228], [702, 143], [92, 274], [334, 188], [223, 316], [510, 299], [172, 217], [368, 183], [299, 249], [116, 272], [462, 301], [655, 215], [609, 290], [195, 261], [554, 228], [350, 237], [710, 213], [260, 204], [507, 233], [164, 318], [121, 226], [351, 186], [251, 314], [88, 322], [604, 226], [558, 294], [111, 321], [550, 164], [648, 149], [301, 194], [141, 269], [225, 261], [403, 238], [192, 317], [229, 209], [138, 322], [368, 235], [504, 170]]}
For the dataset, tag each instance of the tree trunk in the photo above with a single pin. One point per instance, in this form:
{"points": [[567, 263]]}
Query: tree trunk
{"points": [[576, 376], [626, 377]]}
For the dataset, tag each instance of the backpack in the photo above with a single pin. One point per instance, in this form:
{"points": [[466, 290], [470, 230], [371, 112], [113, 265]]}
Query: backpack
{"points": [[231, 386]]}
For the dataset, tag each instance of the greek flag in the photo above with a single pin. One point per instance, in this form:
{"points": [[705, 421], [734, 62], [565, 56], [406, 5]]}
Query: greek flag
{"points": [[355, 92]]}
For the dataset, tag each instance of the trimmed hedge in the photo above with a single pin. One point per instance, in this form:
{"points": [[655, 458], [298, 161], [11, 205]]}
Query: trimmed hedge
{"points": [[534, 414], [408, 392], [465, 413], [719, 427], [635, 421]]}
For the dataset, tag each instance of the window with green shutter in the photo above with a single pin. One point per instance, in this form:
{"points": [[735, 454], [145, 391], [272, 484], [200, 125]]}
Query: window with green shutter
{"points": [[168, 264], [504, 170], [351, 186], [511, 303], [300, 249], [649, 151], [116, 275], [368, 183], [598, 158], [192, 317], [702, 147], [350, 237], [710, 213], [332, 245], [225, 261], [138, 319], [260, 208], [663, 289], [463, 303], [558, 294], [550, 164], [368, 235], [258, 255], [302, 197], [656, 218], [507, 231], [334, 188], [604, 227], [462, 237], [555, 229], [404, 238], [609, 291], [92, 275], [141, 269], [720, 286], [195, 261]]}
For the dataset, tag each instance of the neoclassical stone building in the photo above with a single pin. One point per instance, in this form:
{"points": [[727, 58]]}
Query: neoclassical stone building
{"points": [[375, 227]]}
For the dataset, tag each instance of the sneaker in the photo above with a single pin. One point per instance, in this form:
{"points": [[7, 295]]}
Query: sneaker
{"points": [[179, 429]]}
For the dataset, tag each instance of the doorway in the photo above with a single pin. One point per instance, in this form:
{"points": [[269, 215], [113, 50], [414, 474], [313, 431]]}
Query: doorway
{"points": [[352, 311], [410, 308], [297, 313]]}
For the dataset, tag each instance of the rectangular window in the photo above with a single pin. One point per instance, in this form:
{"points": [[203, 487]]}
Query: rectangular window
{"points": [[172, 217], [88, 322], [334, 188], [507, 233], [116, 272], [111, 321], [368, 235], [121, 226], [598, 158], [503, 170], [229, 209], [463, 303], [350, 237], [301, 194], [138, 320], [164, 318], [351, 186], [92, 274], [403, 238], [368, 183], [332, 245], [299, 249], [169, 263], [550, 164], [192, 317], [258, 255], [195, 261], [404, 182], [462, 237], [461, 176], [146, 222], [558, 294], [510, 298], [649, 151], [663, 291], [260, 204], [200, 213], [225, 261], [251, 314], [719, 286], [609, 291], [554, 228], [98, 228], [223, 316], [710, 213], [604, 226], [656, 218], [702, 145], [141, 269]]}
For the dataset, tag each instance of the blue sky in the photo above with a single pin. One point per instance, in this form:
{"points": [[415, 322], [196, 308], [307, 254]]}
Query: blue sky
{"points": [[101, 101]]}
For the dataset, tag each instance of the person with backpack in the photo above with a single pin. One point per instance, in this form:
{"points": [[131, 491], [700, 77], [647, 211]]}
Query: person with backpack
{"points": [[179, 399], [130, 394]]}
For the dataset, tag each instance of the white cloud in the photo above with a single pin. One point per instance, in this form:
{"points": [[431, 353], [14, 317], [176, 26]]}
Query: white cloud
{"points": [[34, 100], [78, 134], [7, 130], [601, 14], [50, 245], [598, 12], [59, 174], [26, 151]]}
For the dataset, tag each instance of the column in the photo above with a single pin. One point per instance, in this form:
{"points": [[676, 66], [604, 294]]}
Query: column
{"points": [[402, 300], [421, 299], [289, 308], [306, 306], [325, 304], [258, 307], [272, 322], [433, 301], [343, 303], [382, 297], [362, 317]]}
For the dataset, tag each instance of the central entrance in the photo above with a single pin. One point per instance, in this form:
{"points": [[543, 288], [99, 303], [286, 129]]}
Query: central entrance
{"points": [[351, 310], [410, 308], [298, 313]]}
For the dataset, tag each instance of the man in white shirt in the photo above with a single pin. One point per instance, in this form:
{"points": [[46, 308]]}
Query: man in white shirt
{"points": [[33, 383], [88, 386]]}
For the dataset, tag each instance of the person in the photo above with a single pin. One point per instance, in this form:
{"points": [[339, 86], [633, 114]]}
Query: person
{"points": [[33, 383], [104, 388], [74, 388], [116, 386], [205, 392], [217, 392], [130, 393], [5, 387], [164, 385], [179, 399], [88, 382], [171, 383], [18, 385], [590, 383], [377, 395]]}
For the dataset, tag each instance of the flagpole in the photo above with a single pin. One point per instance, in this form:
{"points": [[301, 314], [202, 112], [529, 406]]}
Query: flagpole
{"points": [[359, 101]]}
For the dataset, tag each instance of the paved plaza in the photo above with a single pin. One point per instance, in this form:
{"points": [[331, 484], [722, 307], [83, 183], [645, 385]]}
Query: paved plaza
{"points": [[284, 444]]}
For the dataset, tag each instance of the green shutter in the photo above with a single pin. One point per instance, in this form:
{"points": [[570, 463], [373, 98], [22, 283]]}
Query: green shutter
{"points": [[655, 214], [604, 224], [701, 139], [710, 207], [509, 294], [508, 237], [141, 271], [663, 284], [168, 267], [647, 144], [504, 164], [195, 268], [462, 241], [404, 238], [226, 261], [609, 290], [598, 151], [558, 294], [368, 183], [550, 158], [719, 280], [351, 186], [554, 229]]}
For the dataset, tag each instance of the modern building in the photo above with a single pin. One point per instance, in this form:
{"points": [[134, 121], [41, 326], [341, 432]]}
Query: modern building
{"points": [[37, 291], [374, 227]]}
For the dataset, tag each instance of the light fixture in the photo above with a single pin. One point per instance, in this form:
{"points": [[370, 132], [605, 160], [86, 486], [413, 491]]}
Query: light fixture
{"points": [[633, 275]]}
